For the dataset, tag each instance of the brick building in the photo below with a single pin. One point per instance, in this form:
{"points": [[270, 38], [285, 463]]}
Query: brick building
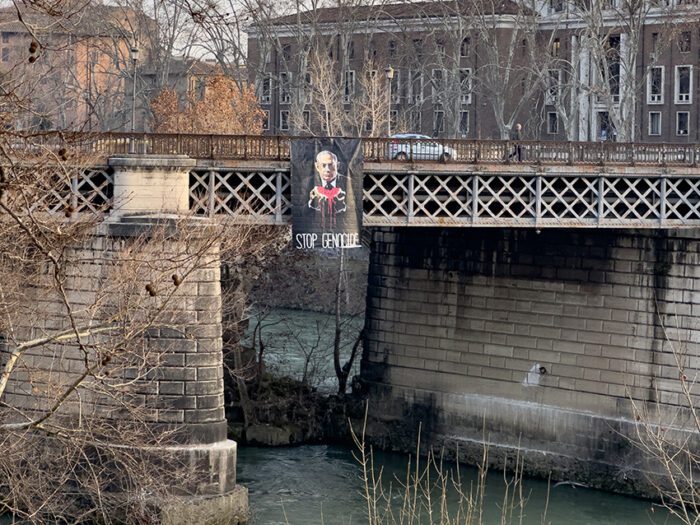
{"points": [[73, 71], [567, 70]]}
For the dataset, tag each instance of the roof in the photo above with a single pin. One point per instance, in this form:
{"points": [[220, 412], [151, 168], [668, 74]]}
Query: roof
{"points": [[398, 11], [190, 66]]}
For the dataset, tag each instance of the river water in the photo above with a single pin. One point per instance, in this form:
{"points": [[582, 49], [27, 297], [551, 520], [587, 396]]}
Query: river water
{"points": [[322, 484]]}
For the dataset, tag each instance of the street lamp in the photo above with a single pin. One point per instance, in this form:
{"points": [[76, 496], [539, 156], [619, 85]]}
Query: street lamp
{"points": [[134, 59], [389, 71]]}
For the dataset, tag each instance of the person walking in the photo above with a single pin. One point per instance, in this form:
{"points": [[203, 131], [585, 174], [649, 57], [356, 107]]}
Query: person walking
{"points": [[516, 136]]}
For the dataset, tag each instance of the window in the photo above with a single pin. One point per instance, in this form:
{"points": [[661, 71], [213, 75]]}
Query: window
{"points": [[393, 118], [654, 123], [308, 88], [284, 120], [5, 54], [684, 84], [348, 85], [285, 88], [392, 48], [5, 38], [612, 62], [416, 87], [437, 83], [368, 126], [266, 90], [396, 87], [654, 46], [556, 47], [555, 6], [438, 122], [306, 117], [552, 123], [655, 85], [464, 123], [553, 87], [465, 85], [351, 49], [440, 49], [684, 41], [266, 120], [465, 46], [682, 123], [287, 52], [415, 121], [418, 47]]}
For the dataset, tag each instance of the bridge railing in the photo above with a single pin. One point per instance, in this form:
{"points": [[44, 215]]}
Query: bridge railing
{"points": [[243, 147]]}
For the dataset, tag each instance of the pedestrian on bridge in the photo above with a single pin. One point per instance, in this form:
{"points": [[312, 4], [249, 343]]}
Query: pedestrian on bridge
{"points": [[516, 137]]}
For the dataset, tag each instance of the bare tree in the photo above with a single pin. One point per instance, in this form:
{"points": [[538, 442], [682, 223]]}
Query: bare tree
{"points": [[611, 44], [508, 75]]}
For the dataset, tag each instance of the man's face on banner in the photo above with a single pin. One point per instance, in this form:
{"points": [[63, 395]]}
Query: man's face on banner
{"points": [[327, 166]]}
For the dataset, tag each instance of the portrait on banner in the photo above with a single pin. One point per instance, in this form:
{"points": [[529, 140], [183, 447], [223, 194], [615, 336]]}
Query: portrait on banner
{"points": [[326, 183]]}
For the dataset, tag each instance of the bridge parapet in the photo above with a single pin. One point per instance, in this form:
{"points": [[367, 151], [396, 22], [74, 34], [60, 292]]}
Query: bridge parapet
{"points": [[244, 147]]}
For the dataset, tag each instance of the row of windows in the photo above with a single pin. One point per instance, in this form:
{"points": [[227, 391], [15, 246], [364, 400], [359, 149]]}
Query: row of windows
{"points": [[415, 86], [415, 121], [654, 122], [682, 123], [683, 85], [556, 6], [392, 49]]}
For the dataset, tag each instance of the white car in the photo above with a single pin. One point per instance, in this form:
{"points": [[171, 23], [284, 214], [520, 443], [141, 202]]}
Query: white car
{"points": [[405, 146]]}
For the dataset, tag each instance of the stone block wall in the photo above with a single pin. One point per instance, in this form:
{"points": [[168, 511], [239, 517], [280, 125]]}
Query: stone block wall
{"points": [[130, 312], [544, 341], [168, 369]]}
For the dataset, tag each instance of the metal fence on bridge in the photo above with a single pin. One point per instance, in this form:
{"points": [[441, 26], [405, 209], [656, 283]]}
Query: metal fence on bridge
{"points": [[396, 194], [233, 147], [408, 198]]}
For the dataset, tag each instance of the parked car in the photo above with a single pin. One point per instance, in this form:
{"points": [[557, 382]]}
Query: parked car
{"points": [[404, 146]]}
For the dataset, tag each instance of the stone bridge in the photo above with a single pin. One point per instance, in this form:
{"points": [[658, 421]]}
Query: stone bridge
{"points": [[549, 306]]}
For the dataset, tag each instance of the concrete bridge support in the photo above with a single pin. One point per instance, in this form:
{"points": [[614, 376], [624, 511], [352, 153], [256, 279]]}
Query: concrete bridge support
{"points": [[149, 255], [538, 341]]}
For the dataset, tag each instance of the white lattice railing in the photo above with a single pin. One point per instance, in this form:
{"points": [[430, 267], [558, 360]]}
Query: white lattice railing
{"points": [[513, 199], [90, 190], [426, 199], [251, 196]]}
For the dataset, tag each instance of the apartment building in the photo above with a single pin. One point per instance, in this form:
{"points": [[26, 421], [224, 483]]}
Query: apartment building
{"points": [[72, 72], [584, 70]]}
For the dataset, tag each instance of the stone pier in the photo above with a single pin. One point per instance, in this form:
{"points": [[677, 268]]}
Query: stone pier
{"points": [[538, 342], [150, 254]]}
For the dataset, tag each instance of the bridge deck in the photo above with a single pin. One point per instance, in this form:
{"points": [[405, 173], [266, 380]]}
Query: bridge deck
{"points": [[571, 185]]}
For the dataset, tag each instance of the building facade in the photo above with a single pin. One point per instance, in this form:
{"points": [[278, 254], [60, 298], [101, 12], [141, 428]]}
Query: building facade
{"points": [[76, 74], [611, 70]]}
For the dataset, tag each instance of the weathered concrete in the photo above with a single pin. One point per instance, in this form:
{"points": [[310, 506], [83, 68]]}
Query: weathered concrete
{"points": [[538, 341], [150, 184]]}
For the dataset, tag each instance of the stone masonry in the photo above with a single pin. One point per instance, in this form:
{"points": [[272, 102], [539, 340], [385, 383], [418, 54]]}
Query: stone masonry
{"points": [[538, 341], [170, 374]]}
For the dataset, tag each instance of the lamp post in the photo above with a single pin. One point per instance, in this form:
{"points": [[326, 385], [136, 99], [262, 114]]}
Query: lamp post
{"points": [[134, 59], [389, 76]]}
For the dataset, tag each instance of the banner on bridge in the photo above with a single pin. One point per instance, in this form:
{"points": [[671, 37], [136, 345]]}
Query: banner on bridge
{"points": [[326, 178]]}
